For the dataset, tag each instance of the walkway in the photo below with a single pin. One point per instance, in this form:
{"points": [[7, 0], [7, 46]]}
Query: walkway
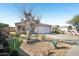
{"points": [[74, 51], [63, 37]]}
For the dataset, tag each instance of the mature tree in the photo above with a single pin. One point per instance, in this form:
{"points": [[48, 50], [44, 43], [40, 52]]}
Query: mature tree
{"points": [[69, 28], [75, 22], [31, 23], [2, 25], [56, 27]]}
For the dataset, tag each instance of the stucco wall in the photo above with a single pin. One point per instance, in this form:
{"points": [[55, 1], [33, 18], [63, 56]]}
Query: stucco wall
{"points": [[43, 29]]}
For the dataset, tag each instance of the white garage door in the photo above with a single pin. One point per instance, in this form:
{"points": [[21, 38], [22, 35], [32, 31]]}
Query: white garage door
{"points": [[44, 29]]}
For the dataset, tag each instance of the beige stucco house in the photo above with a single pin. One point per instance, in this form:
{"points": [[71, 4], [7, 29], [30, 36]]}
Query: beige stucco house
{"points": [[21, 27]]}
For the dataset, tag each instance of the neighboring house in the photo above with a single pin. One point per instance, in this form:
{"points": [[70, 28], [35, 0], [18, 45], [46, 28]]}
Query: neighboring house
{"points": [[21, 27], [11, 30], [65, 28]]}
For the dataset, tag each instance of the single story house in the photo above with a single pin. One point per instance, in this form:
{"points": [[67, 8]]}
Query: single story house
{"points": [[65, 28], [41, 28]]}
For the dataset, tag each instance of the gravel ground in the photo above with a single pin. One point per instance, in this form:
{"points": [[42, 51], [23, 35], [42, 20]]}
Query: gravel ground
{"points": [[45, 49]]}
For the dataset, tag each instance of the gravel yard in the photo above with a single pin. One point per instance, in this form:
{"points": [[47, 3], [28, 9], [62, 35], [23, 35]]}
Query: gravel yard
{"points": [[45, 49]]}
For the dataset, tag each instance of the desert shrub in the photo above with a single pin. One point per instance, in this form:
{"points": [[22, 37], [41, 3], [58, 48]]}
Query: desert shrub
{"points": [[2, 37], [6, 46], [59, 31], [35, 35], [54, 43], [43, 37], [56, 32], [69, 28], [14, 45], [3, 42]]}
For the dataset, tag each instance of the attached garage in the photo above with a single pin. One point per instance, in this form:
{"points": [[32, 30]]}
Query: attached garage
{"points": [[43, 28]]}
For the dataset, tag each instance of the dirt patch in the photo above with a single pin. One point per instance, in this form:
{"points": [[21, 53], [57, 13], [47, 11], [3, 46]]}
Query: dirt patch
{"points": [[45, 49]]}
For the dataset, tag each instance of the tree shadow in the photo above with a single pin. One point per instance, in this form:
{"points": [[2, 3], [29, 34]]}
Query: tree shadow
{"points": [[61, 47], [22, 53], [3, 53], [33, 41], [50, 53]]}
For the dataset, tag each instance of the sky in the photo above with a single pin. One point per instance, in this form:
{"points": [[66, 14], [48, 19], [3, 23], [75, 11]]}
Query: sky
{"points": [[50, 13]]}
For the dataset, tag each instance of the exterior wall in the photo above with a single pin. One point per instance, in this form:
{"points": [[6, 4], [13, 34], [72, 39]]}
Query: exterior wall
{"points": [[40, 29], [20, 30], [43, 29], [16, 28]]}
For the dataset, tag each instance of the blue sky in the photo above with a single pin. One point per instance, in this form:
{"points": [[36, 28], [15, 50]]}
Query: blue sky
{"points": [[50, 13]]}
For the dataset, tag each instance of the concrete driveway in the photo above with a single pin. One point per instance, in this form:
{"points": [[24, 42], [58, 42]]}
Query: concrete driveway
{"points": [[73, 51], [62, 37]]}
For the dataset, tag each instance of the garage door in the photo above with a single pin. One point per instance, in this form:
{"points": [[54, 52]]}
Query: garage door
{"points": [[44, 29]]}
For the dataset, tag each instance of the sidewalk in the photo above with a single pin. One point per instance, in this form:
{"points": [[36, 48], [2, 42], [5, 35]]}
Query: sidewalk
{"points": [[74, 51]]}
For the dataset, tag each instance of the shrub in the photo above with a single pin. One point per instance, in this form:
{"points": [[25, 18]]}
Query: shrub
{"points": [[69, 28], [14, 45], [3, 43], [59, 31], [43, 37], [2, 37], [54, 43]]}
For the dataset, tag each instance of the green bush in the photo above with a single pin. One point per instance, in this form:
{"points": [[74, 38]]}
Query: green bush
{"points": [[14, 45]]}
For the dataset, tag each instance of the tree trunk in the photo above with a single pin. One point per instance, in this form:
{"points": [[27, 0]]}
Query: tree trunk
{"points": [[28, 35]]}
